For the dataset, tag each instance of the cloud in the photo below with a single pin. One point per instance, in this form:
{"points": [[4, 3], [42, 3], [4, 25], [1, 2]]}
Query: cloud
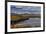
{"points": [[25, 9]]}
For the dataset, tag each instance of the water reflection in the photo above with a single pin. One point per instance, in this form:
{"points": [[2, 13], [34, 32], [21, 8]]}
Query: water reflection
{"points": [[32, 22]]}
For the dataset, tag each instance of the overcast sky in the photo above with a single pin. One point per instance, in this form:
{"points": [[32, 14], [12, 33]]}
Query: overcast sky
{"points": [[25, 9]]}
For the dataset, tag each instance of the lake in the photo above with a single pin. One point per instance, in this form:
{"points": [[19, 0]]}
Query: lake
{"points": [[34, 22]]}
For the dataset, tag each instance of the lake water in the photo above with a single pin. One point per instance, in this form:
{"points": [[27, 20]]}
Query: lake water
{"points": [[32, 21]]}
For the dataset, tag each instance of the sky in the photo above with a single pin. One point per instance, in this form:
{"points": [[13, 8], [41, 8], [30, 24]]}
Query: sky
{"points": [[25, 9]]}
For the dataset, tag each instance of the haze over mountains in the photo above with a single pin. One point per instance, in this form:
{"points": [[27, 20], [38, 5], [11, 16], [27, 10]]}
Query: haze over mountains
{"points": [[25, 9]]}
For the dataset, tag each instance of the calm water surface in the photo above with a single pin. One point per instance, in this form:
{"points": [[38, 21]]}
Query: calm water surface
{"points": [[32, 22]]}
